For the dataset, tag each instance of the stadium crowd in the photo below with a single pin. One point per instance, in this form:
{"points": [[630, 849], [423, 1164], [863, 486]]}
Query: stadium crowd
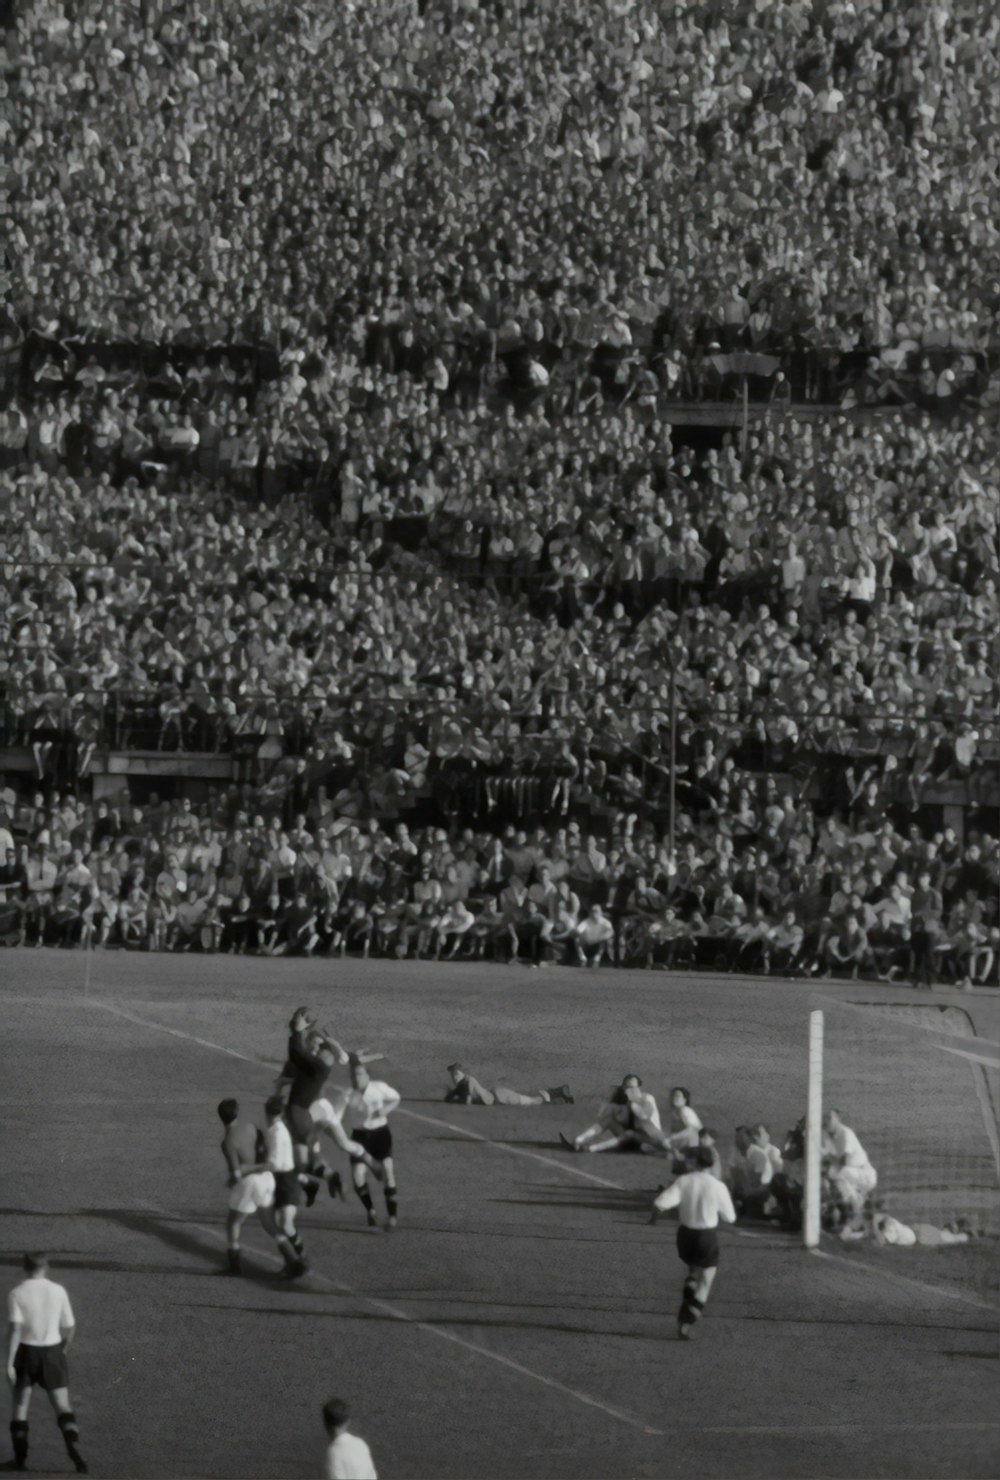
{"points": [[338, 443], [480, 181], [766, 886]]}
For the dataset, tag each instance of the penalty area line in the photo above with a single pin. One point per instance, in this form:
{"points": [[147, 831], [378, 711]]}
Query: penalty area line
{"points": [[338, 1287]]}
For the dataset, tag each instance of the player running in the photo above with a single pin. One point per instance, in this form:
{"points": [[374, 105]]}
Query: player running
{"points": [[376, 1101], [279, 1160], [244, 1147], [701, 1200]]}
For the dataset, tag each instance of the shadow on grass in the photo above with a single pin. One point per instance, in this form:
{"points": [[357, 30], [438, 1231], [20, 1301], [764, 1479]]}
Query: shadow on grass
{"points": [[173, 1233], [444, 1322]]}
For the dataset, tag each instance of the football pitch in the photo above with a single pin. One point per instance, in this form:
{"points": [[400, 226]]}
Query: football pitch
{"points": [[521, 1319]]}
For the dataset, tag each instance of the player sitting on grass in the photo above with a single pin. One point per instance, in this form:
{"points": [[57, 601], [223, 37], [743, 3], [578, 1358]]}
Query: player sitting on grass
{"points": [[849, 1177], [465, 1090], [630, 1119], [252, 1191]]}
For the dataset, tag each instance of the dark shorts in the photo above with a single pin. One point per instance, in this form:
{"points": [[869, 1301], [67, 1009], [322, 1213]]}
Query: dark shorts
{"points": [[301, 1125], [41, 1366], [288, 1190], [378, 1143], [698, 1247]]}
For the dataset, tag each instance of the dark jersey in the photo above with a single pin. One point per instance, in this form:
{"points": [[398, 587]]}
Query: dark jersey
{"points": [[307, 1071]]}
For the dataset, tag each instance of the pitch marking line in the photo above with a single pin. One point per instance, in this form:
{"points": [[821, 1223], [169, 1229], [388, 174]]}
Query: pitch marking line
{"points": [[340, 1288], [567, 1168]]}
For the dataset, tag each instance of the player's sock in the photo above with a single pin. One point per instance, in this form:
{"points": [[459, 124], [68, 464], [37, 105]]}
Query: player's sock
{"points": [[235, 1258], [365, 1196], [690, 1285], [71, 1438], [690, 1311], [19, 1439], [285, 1247], [391, 1203], [295, 1239], [561, 1092]]}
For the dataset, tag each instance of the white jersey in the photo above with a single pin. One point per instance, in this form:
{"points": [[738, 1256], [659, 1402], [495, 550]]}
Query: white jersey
{"points": [[376, 1101], [331, 1111], [280, 1156], [349, 1458], [764, 1162], [687, 1124], [700, 1199], [644, 1107], [42, 1310], [844, 1143]]}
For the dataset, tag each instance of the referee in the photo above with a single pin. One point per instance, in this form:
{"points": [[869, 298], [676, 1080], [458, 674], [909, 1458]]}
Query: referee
{"points": [[701, 1200], [41, 1329]]}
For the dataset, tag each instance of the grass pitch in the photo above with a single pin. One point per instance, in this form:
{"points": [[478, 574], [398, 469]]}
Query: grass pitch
{"points": [[520, 1321]]}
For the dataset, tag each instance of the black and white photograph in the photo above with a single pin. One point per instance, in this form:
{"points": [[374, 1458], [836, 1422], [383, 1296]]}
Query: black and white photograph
{"points": [[500, 739]]}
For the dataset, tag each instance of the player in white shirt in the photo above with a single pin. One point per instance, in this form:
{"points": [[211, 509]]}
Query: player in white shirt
{"points": [[630, 1118], [41, 1328], [849, 1173], [375, 1101], [701, 1200], [243, 1146], [279, 1160], [347, 1456]]}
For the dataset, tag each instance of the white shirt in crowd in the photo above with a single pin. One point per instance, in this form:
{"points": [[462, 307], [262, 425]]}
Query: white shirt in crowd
{"points": [[349, 1458], [378, 1100], [700, 1198], [42, 1309], [280, 1156]]}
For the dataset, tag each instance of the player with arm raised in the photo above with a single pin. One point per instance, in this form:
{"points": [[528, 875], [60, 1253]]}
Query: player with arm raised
{"points": [[701, 1200]]}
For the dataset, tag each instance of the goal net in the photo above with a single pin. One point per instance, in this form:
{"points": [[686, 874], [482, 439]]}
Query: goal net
{"points": [[920, 1090]]}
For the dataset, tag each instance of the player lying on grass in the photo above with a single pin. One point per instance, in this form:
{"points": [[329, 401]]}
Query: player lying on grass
{"points": [[888, 1230], [629, 1120], [465, 1090], [253, 1191]]}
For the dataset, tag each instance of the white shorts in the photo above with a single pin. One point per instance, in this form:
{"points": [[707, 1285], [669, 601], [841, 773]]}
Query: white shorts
{"points": [[252, 1193], [323, 1113]]}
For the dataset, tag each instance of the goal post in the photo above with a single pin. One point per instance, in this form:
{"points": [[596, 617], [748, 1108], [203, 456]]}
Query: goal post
{"points": [[920, 1089], [814, 1133]]}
